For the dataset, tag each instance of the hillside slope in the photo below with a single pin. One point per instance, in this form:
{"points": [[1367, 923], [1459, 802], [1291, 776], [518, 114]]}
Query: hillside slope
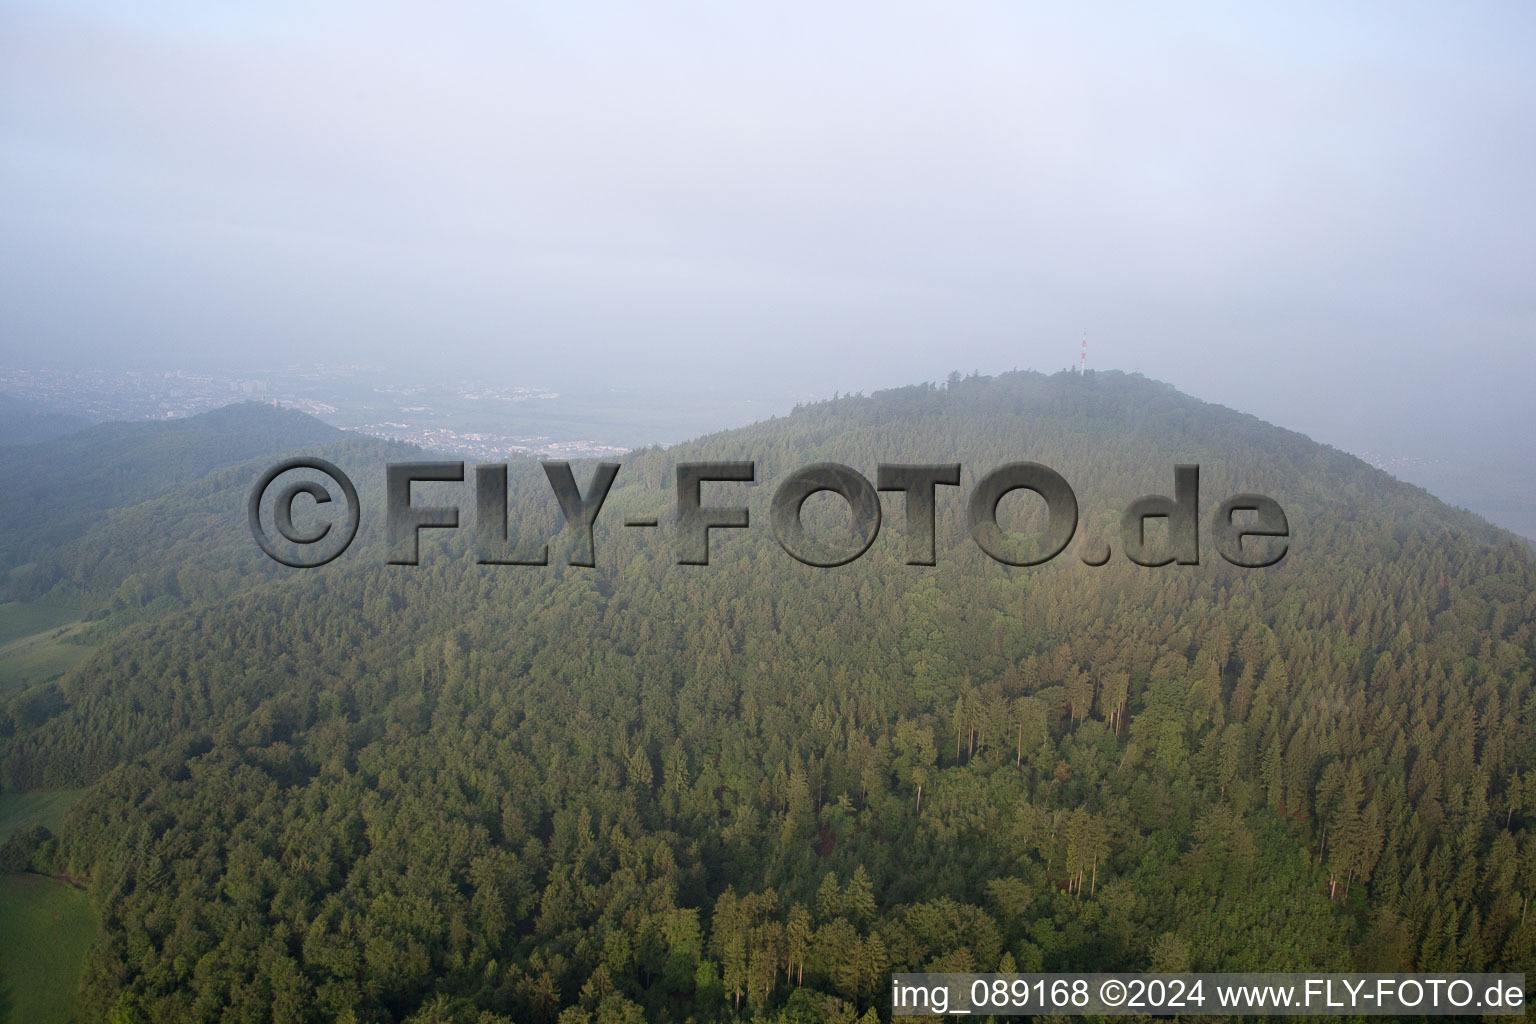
{"points": [[23, 421], [455, 791], [57, 488]]}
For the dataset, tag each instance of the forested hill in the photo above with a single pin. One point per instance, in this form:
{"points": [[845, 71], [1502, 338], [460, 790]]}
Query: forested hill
{"points": [[462, 792], [55, 489], [27, 422]]}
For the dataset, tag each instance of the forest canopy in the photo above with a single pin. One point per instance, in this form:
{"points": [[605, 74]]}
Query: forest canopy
{"points": [[647, 791]]}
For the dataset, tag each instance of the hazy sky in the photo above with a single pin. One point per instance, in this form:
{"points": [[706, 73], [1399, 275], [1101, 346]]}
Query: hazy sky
{"points": [[1320, 214]]}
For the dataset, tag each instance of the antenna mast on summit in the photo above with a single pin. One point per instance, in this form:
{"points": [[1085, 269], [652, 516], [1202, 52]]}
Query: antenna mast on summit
{"points": [[1084, 367]]}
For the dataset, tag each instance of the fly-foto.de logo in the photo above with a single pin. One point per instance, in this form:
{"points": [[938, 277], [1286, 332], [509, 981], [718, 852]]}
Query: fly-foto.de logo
{"points": [[1248, 530]]}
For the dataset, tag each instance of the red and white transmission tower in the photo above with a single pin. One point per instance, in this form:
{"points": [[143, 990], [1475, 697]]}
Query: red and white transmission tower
{"points": [[1084, 368]]}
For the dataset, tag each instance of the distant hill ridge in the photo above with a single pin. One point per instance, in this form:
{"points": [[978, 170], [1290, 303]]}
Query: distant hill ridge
{"points": [[56, 488], [23, 421]]}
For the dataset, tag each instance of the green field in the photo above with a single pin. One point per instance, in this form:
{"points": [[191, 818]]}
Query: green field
{"points": [[20, 810], [42, 654], [18, 620], [45, 926], [45, 929]]}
